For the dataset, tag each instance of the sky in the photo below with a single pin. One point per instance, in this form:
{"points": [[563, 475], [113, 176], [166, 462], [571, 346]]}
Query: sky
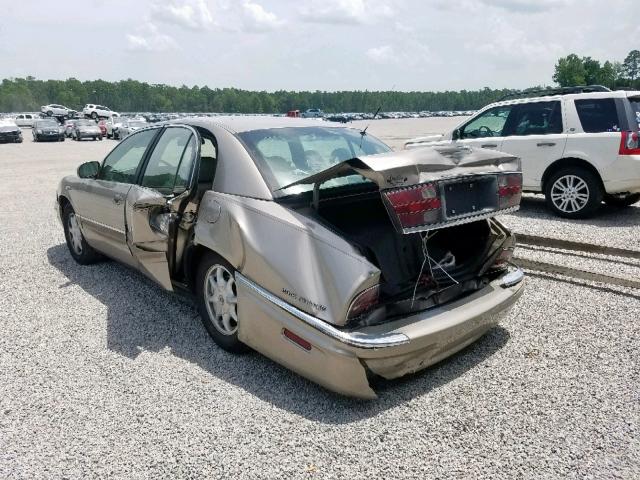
{"points": [[426, 45]]}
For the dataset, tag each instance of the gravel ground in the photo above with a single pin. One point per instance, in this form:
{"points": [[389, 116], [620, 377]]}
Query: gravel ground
{"points": [[103, 375]]}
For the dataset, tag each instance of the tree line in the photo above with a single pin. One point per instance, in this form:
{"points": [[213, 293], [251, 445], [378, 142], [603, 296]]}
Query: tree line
{"points": [[28, 94]]}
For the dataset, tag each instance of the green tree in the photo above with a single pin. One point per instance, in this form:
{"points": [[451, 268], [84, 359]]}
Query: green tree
{"points": [[570, 71], [631, 65]]}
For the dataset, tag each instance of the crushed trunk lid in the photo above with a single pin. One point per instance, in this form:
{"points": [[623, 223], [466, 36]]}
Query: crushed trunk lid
{"points": [[429, 188]]}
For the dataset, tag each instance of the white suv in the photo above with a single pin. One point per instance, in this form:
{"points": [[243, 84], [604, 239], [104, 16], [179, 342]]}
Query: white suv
{"points": [[577, 148], [98, 111]]}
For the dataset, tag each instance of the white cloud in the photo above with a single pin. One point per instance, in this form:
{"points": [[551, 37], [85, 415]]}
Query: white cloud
{"points": [[257, 19], [190, 14], [148, 38], [526, 6], [382, 54], [344, 11]]}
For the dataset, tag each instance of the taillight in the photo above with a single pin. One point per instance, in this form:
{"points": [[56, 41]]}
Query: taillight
{"points": [[629, 143], [509, 190], [364, 302], [417, 205]]}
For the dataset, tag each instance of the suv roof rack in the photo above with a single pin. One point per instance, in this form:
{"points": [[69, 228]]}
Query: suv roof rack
{"points": [[546, 92]]}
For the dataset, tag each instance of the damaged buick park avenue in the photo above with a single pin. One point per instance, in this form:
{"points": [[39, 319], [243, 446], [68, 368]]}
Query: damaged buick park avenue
{"points": [[310, 242]]}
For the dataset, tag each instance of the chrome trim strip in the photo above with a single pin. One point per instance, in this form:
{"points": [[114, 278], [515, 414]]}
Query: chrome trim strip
{"points": [[354, 339], [460, 221], [85, 219], [512, 278]]}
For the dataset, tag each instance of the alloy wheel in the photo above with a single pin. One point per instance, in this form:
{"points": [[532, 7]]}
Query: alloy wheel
{"points": [[221, 299], [75, 235], [570, 193]]}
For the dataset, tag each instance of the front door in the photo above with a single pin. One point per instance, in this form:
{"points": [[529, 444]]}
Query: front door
{"points": [[153, 210], [486, 130], [536, 134], [100, 205]]}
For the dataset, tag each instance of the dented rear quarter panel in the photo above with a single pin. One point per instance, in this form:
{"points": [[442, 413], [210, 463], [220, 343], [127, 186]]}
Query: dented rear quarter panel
{"points": [[291, 256]]}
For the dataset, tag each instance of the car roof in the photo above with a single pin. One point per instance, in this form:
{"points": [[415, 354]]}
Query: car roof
{"points": [[548, 98], [246, 123]]}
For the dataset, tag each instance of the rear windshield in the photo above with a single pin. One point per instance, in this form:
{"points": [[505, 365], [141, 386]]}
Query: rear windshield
{"points": [[285, 155], [635, 107], [86, 123], [598, 115], [47, 123]]}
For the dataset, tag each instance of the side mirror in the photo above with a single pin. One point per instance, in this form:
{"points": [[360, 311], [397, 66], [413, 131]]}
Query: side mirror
{"points": [[456, 134], [89, 170]]}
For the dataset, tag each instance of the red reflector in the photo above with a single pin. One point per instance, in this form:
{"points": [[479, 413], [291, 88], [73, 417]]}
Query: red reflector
{"points": [[629, 144], [296, 339]]}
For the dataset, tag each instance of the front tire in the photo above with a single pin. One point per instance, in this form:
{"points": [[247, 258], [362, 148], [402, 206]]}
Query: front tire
{"points": [[78, 247], [217, 299], [573, 192], [94, 115], [621, 202]]}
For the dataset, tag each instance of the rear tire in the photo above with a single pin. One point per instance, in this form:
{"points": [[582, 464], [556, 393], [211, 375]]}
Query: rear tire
{"points": [[621, 202], [78, 247], [217, 297], [573, 192]]}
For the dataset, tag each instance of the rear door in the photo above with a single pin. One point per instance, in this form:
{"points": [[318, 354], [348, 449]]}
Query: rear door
{"points": [[535, 133], [154, 207], [487, 129]]}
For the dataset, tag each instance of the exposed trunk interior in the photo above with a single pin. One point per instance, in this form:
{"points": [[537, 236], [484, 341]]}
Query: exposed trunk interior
{"points": [[457, 254]]}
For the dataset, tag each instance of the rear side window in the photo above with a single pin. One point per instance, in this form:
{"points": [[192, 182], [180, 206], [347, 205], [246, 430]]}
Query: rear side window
{"points": [[170, 163], [598, 115], [635, 108], [539, 118]]}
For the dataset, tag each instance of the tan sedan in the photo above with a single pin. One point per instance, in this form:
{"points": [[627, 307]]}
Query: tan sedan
{"points": [[310, 242]]}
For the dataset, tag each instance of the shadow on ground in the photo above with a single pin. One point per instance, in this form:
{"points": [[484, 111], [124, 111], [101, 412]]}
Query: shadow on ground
{"points": [[142, 317], [534, 206]]}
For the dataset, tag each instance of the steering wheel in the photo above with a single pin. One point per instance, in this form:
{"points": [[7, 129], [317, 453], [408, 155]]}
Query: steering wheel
{"points": [[484, 128]]}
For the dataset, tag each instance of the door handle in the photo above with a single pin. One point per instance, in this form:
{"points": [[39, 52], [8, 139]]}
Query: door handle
{"points": [[117, 199], [490, 145], [546, 144]]}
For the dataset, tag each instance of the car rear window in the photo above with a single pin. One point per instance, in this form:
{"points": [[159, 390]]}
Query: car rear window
{"points": [[598, 115]]}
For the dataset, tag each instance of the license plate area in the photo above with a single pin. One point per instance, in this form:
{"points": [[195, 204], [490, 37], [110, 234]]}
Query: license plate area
{"points": [[470, 196]]}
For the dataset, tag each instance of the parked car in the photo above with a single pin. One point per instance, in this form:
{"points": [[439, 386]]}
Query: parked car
{"points": [[26, 119], [98, 111], [85, 128], [57, 110], [9, 131], [47, 129], [69, 125], [577, 148], [293, 113], [102, 125], [313, 113], [307, 241], [127, 127]]}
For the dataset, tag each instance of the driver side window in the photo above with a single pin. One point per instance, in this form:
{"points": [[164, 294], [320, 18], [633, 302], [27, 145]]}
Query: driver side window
{"points": [[121, 165], [488, 124]]}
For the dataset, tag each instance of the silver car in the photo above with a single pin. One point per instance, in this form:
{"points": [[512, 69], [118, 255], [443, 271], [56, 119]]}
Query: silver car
{"points": [[310, 242], [86, 129], [127, 127]]}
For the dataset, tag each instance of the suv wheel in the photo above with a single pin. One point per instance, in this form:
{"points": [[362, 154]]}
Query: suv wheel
{"points": [[573, 193], [622, 201], [79, 249], [217, 298], [94, 115]]}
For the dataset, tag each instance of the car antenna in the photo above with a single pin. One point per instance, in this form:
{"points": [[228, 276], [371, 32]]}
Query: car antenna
{"points": [[363, 132]]}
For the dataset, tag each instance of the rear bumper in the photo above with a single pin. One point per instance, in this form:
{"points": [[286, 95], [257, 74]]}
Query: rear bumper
{"points": [[339, 360], [623, 175]]}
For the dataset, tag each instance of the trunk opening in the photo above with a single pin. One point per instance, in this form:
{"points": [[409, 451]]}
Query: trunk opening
{"points": [[463, 252]]}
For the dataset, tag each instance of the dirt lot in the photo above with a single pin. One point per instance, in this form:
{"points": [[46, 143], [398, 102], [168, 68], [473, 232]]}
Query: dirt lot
{"points": [[105, 375]]}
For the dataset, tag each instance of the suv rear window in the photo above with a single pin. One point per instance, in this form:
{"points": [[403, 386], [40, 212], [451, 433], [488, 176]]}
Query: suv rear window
{"points": [[598, 115]]}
